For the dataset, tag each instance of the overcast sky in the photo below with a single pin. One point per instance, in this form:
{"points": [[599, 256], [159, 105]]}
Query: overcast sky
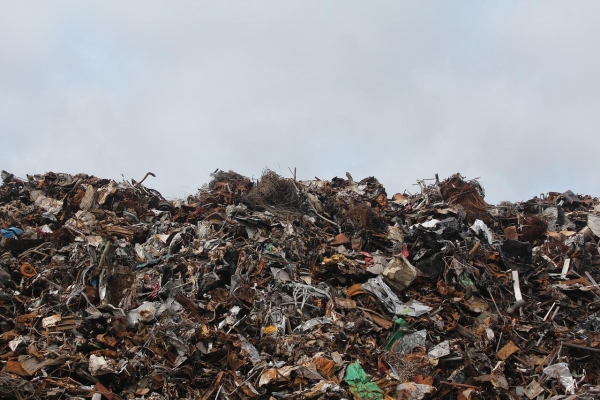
{"points": [[508, 91]]}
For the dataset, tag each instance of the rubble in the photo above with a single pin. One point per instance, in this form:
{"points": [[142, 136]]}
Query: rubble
{"points": [[284, 289]]}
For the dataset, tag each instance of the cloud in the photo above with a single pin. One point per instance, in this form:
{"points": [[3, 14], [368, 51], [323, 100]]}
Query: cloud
{"points": [[398, 90]]}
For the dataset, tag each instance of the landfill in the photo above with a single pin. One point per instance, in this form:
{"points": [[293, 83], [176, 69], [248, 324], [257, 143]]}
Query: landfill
{"points": [[277, 288]]}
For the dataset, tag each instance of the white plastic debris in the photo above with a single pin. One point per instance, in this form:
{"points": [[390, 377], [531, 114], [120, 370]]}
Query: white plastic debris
{"points": [[145, 313], [399, 273], [378, 266], [565, 269], [440, 350], [288, 230], [414, 308], [413, 391], [139, 252], [430, 224], [516, 285], [170, 305], [561, 372], [231, 317], [13, 344], [251, 231], [480, 227], [204, 229], [46, 229], [99, 365], [48, 204], [378, 288]]}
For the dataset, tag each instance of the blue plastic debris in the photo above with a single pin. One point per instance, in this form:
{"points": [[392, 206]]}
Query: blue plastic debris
{"points": [[11, 232]]}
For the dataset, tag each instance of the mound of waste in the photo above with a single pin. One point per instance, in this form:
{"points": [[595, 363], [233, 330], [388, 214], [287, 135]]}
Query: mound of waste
{"points": [[284, 289]]}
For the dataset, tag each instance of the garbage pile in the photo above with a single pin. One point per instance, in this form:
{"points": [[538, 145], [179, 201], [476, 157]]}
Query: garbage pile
{"points": [[284, 289]]}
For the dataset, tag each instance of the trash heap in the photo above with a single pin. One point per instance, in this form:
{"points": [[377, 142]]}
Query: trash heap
{"points": [[287, 289]]}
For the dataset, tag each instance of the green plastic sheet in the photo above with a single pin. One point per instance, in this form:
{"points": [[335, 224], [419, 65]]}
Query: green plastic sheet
{"points": [[400, 325], [360, 384]]}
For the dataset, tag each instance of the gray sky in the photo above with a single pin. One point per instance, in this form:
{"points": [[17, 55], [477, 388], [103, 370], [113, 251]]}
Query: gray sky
{"points": [[507, 91]]}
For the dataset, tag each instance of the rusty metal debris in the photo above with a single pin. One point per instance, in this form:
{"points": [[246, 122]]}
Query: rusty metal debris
{"points": [[283, 289]]}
